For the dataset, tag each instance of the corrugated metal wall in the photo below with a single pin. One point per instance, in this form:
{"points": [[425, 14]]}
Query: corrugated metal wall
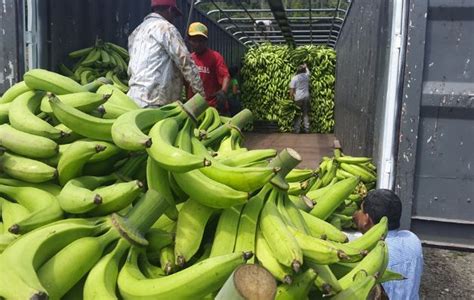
{"points": [[11, 42], [435, 174], [75, 24], [361, 59]]}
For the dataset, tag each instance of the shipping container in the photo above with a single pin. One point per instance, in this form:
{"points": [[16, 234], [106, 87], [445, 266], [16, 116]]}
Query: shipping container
{"points": [[404, 88]]}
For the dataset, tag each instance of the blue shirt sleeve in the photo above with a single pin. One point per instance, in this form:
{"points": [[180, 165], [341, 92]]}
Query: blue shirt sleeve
{"points": [[406, 258]]}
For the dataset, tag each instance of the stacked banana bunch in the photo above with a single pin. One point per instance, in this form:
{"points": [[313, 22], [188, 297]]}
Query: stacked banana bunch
{"points": [[307, 190], [104, 59], [266, 75], [267, 72], [159, 203], [322, 63]]}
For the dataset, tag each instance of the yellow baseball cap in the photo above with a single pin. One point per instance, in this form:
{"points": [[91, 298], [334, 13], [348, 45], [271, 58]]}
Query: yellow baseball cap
{"points": [[197, 28]]}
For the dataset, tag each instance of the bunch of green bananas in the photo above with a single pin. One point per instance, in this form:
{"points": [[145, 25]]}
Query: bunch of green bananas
{"points": [[322, 63], [159, 203], [267, 71], [104, 59], [330, 172], [266, 75]]}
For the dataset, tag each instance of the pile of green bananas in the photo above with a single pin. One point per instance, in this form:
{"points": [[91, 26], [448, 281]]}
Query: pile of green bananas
{"points": [[267, 71], [322, 63], [104, 59], [308, 191], [159, 202], [266, 75]]}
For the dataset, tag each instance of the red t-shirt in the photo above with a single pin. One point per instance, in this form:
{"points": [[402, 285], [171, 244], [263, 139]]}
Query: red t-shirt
{"points": [[213, 70]]}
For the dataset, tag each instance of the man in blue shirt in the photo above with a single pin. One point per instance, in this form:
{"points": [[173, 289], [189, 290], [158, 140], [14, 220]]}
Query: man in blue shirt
{"points": [[404, 247]]}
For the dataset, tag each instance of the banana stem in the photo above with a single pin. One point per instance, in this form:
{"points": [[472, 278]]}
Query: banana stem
{"points": [[195, 106], [147, 211], [238, 121], [248, 282], [286, 160], [140, 218]]}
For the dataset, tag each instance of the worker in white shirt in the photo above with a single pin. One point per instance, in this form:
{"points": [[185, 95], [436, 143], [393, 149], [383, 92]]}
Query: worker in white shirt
{"points": [[159, 59], [299, 91]]}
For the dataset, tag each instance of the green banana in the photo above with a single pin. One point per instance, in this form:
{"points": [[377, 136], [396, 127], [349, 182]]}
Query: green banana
{"points": [[96, 84], [78, 195], [302, 202], [353, 159], [192, 221], [282, 243], [80, 122], [207, 119], [43, 208], [374, 264], [4, 110], [12, 213], [293, 213], [318, 251], [6, 240], [370, 239], [266, 258], [168, 156], [157, 240], [13, 92], [167, 260], [102, 279], [84, 101], [62, 271], [200, 280], [80, 52], [356, 170], [240, 178], [334, 197], [326, 281], [44, 80], [359, 290], [26, 169], [247, 230], [157, 179], [209, 192], [74, 158], [20, 260], [321, 229], [22, 116], [331, 172], [116, 197], [149, 270], [297, 175], [45, 186], [300, 287], [91, 58], [247, 157], [26, 144], [226, 231]]}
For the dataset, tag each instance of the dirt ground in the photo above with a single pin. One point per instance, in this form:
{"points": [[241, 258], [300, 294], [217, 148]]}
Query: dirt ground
{"points": [[447, 274]]}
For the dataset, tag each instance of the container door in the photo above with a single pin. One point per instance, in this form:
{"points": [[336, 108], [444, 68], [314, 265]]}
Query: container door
{"points": [[435, 175], [11, 43]]}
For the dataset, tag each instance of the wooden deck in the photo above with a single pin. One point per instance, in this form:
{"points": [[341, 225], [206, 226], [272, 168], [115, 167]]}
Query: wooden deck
{"points": [[312, 147]]}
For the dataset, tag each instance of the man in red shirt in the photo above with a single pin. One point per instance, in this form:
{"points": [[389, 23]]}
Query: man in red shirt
{"points": [[212, 68]]}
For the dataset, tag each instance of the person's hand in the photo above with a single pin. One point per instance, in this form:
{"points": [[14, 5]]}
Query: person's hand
{"points": [[220, 96]]}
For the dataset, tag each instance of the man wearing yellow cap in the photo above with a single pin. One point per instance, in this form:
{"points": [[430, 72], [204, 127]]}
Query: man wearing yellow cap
{"points": [[212, 67], [159, 58]]}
